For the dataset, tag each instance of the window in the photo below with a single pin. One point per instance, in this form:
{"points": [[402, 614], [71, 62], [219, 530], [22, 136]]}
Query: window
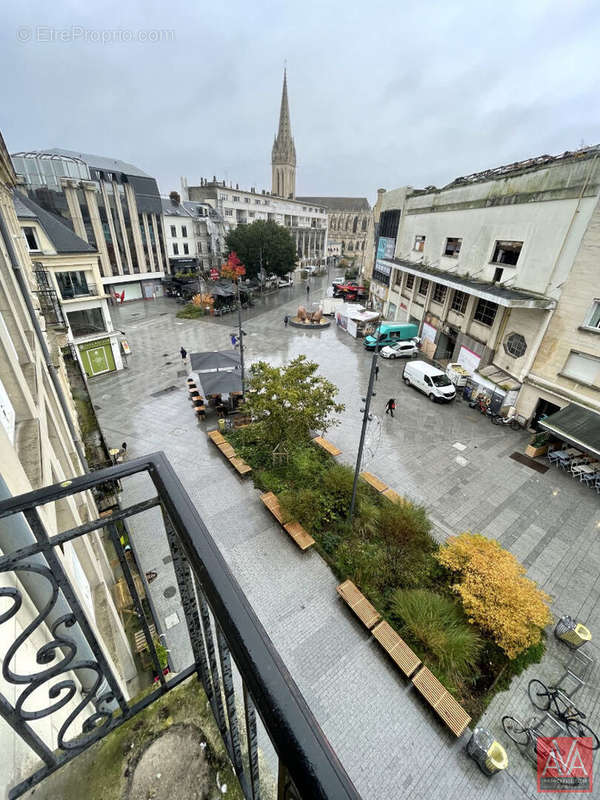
{"points": [[459, 302], [506, 252], [84, 323], [410, 281], [31, 238], [515, 345], [439, 293], [228, 212], [419, 244], [452, 247], [246, 199], [223, 197], [485, 312], [498, 274], [423, 286], [583, 368], [257, 203], [175, 249], [72, 284], [186, 249], [184, 231], [593, 318], [173, 230], [236, 198]]}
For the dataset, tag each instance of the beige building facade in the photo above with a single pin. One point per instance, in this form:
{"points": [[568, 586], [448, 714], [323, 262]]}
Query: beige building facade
{"points": [[349, 220], [493, 265], [40, 444]]}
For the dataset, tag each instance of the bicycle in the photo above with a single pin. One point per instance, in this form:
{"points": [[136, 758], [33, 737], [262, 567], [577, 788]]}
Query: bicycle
{"points": [[512, 422], [543, 697], [522, 734]]}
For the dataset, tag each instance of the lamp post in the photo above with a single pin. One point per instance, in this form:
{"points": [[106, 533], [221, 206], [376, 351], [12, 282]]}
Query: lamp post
{"points": [[241, 333], [366, 418]]}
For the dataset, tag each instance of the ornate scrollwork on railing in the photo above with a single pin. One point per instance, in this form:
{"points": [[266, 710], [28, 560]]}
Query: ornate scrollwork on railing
{"points": [[59, 656]]}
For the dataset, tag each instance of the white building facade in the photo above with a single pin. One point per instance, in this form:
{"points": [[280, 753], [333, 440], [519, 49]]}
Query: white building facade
{"points": [[306, 222], [481, 264], [194, 235]]}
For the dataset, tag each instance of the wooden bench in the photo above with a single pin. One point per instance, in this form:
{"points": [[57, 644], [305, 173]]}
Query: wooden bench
{"points": [[302, 538], [216, 437], [366, 613], [327, 446], [240, 465], [140, 640], [394, 497], [229, 452], [373, 481], [396, 648], [440, 699]]}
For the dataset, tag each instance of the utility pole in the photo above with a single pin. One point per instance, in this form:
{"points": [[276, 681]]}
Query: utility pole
{"points": [[366, 418]]}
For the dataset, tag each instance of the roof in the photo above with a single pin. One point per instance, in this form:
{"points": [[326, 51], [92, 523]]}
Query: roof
{"points": [[100, 162], [215, 361], [576, 425], [338, 203], [502, 295], [170, 209], [61, 236]]}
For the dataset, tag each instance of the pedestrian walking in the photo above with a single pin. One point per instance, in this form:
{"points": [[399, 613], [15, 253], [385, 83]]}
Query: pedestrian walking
{"points": [[183, 352], [390, 406], [234, 341], [122, 452], [307, 291], [376, 371], [286, 319]]}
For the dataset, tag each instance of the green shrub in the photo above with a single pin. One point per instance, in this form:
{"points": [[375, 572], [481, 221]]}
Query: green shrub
{"points": [[439, 624], [303, 505], [190, 311]]}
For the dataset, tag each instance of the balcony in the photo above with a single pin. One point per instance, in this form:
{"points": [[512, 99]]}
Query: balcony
{"points": [[267, 734]]}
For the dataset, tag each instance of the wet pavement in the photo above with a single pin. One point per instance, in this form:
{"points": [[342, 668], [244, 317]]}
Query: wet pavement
{"points": [[447, 456]]}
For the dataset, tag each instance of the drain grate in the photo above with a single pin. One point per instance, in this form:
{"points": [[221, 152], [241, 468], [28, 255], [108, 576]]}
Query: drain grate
{"points": [[529, 462], [170, 591], [164, 391]]}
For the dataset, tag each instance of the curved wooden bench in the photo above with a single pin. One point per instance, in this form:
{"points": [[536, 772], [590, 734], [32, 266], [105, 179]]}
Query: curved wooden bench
{"points": [[302, 538], [374, 481], [353, 597], [228, 451], [396, 648], [440, 699]]}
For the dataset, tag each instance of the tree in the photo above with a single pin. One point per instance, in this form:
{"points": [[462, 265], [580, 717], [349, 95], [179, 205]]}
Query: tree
{"points": [[287, 402], [263, 243], [496, 594]]}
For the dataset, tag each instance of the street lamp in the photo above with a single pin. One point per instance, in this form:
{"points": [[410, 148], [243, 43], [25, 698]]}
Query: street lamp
{"points": [[366, 418]]}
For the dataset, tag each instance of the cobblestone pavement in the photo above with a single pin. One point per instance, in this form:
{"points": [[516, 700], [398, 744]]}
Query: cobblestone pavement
{"points": [[391, 745]]}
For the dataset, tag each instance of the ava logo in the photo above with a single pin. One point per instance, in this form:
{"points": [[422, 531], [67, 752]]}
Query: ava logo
{"points": [[564, 764]]}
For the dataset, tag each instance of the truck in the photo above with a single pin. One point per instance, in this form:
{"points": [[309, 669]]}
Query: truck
{"points": [[390, 333]]}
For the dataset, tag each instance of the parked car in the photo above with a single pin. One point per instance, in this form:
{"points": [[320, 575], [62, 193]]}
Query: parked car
{"points": [[401, 349], [337, 281], [430, 380], [311, 269], [285, 281]]}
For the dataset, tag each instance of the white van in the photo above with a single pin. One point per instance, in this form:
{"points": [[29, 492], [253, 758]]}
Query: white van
{"points": [[430, 380]]}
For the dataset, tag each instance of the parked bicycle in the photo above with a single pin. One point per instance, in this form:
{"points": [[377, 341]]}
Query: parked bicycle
{"points": [[523, 733], [513, 422], [549, 698]]}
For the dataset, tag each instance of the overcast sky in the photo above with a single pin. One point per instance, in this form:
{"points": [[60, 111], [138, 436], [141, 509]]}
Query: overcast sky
{"points": [[382, 93]]}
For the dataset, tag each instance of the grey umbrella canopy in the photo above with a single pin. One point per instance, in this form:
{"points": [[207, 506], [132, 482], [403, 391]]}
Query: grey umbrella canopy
{"points": [[220, 382], [215, 361]]}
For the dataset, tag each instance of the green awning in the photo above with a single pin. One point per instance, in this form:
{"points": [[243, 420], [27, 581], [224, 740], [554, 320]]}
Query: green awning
{"points": [[576, 425]]}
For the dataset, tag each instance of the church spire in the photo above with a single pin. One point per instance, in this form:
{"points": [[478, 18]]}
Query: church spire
{"points": [[283, 156]]}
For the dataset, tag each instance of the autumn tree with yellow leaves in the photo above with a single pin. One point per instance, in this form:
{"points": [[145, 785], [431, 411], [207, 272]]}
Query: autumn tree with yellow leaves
{"points": [[495, 592]]}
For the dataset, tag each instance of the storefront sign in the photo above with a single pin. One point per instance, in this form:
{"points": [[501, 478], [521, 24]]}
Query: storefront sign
{"points": [[125, 346], [214, 274], [428, 332], [386, 247], [468, 359]]}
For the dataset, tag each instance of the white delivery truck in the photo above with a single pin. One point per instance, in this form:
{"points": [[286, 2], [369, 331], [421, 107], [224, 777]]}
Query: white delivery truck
{"points": [[430, 380]]}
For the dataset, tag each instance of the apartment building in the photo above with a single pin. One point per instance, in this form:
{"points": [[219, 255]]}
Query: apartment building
{"points": [[112, 205], [499, 270], [69, 288], [40, 444], [194, 234], [306, 222]]}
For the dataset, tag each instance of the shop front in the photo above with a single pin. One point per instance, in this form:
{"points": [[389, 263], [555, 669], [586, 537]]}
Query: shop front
{"points": [[98, 356]]}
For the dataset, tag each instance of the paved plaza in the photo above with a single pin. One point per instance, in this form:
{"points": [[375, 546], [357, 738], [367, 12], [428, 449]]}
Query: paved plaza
{"points": [[448, 457]]}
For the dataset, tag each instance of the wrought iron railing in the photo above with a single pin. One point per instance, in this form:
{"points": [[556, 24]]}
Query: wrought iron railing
{"points": [[231, 654]]}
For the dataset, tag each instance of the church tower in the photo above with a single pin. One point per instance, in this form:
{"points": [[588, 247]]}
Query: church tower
{"points": [[283, 156]]}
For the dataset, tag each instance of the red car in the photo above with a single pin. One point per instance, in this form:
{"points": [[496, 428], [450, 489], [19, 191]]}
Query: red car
{"points": [[350, 291]]}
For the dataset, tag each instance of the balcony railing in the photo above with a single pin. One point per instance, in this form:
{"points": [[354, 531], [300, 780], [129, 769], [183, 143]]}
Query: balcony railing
{"points": [[230, 652]]}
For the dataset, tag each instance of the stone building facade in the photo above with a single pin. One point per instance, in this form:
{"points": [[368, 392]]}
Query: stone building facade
{"points": [[40, 444], [194, 235], [491, 266], [349, 221]]}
